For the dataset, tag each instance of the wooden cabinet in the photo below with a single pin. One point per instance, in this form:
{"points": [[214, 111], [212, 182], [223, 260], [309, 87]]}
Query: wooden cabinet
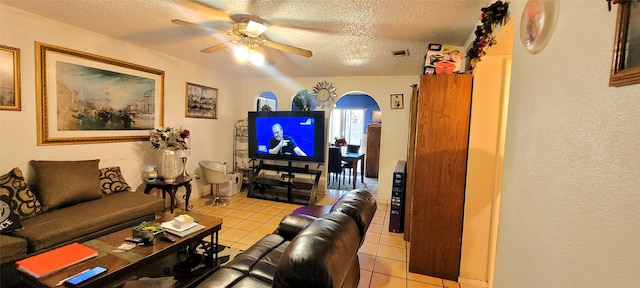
{"points": [[372, 156], [438, 174]]}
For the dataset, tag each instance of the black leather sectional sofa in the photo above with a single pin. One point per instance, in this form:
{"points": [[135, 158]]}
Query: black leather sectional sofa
{"points": [[305, 251]]}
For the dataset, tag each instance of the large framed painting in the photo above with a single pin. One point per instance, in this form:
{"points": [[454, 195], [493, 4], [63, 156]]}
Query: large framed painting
{"points": [[626, 50], [9, 78], [86, 98], [201, 101]]}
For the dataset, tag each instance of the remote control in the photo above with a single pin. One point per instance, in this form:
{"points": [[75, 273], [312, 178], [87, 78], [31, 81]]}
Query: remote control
{"points": [[133, 240], [75, 280], [168, 238]]}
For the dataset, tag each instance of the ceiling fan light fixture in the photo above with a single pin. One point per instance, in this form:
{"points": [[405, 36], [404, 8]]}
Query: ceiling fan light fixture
{"points": [[256, 58], [249, 43], [255, 29], [250, 29], [242, 53]]}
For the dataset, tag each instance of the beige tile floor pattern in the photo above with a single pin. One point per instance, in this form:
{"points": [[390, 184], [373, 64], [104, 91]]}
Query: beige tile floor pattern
{"points": [[383, 256]]}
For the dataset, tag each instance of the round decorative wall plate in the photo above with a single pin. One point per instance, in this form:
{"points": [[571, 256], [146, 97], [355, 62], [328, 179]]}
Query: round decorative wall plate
{"points": [[537, 23], [324, 94]]}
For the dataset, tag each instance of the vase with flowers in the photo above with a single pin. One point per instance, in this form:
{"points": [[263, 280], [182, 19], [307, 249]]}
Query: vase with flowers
{"points": [[171, 141]]}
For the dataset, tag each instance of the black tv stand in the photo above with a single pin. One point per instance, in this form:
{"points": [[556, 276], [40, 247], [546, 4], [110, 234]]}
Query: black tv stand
{"points": [[285, 185]]}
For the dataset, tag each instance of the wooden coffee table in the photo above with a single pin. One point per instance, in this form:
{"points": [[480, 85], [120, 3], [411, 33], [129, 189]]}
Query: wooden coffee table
{"points": [[144, 261]]}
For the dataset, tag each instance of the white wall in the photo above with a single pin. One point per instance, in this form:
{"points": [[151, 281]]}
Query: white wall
{"points": [[393, 142], [211, 139], [570, 212], [484, 164], [482, 167]]}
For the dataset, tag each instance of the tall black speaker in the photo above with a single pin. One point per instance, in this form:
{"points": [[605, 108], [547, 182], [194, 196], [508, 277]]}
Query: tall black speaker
{"points": [[396, 217]]}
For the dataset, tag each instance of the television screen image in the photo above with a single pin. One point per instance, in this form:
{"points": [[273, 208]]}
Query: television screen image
{"points": [[287, 135]]}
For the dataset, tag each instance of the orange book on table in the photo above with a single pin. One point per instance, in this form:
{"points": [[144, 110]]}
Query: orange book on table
{"points": [[53, 260]]}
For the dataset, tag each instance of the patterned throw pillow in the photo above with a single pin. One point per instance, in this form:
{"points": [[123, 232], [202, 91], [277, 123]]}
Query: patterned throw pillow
{"points": [[111, 180], [15, 193], [9, 221]]}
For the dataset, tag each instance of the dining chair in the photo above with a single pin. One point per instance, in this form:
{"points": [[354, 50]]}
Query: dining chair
{"points": [[347, 165], [334, 167]]}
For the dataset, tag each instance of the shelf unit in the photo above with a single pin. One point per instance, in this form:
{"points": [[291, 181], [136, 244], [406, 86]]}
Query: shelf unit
{"points": [[289, 184], [241, 161]]}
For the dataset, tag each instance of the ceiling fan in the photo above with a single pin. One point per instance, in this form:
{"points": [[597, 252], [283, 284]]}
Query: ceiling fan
{"points": [[246, 38]]}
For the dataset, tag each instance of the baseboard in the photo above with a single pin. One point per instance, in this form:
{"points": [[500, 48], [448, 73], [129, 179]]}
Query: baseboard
{"points": [[477, 283]]}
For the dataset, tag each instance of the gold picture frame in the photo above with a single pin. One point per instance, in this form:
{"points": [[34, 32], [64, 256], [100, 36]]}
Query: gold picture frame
{"points": [[201, 101], [84, 98], [625, 69], [397, 101], [10, 78]]}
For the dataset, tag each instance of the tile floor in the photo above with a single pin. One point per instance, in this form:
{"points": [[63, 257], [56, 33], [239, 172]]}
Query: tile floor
{"points": [[383, 256]]}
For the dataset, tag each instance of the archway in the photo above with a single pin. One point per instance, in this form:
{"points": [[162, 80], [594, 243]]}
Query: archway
{"points": [[349, 122], [266, 101]]}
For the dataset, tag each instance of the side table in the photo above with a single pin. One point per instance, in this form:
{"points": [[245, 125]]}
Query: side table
{"points": [[171, 188], [315, 211]]}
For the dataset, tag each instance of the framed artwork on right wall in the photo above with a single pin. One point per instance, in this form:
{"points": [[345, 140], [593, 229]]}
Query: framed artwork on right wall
{"points": [[625, 69]]}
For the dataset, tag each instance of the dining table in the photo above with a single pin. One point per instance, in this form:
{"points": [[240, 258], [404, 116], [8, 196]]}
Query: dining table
{"points": [[353, 158]]}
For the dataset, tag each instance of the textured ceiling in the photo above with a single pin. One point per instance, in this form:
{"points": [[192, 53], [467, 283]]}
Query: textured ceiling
{"points": [[347, 38]]}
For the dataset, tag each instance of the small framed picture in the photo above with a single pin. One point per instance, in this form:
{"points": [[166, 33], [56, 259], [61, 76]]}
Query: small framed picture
{"points": [[397, 101], [201, 102]]}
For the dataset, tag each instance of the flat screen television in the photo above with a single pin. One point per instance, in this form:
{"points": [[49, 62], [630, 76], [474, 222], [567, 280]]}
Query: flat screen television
{"points": [[287, 135]]}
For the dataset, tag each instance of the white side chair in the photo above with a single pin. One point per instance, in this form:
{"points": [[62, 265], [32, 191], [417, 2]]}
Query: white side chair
{"points": [[215, 173]]}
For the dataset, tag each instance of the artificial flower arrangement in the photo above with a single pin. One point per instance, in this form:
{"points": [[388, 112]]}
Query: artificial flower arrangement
{"points": [[147, 232], [169, 138], [492, 16], [149, 226]]}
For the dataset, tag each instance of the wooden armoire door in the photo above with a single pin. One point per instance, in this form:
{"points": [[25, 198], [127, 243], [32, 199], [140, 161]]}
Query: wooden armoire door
{"points": [[439, 168], [373, 150], [408, 195]]}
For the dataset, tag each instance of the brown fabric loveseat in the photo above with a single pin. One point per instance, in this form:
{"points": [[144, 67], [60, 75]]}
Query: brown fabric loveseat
{"points": [[68, 201]]}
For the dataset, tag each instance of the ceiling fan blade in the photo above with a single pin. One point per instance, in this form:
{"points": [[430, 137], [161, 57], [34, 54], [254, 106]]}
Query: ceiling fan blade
{"points": [[287, 48], [267, 57], [197, 26], [217, 47], [304, 25], [210, 9]]}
